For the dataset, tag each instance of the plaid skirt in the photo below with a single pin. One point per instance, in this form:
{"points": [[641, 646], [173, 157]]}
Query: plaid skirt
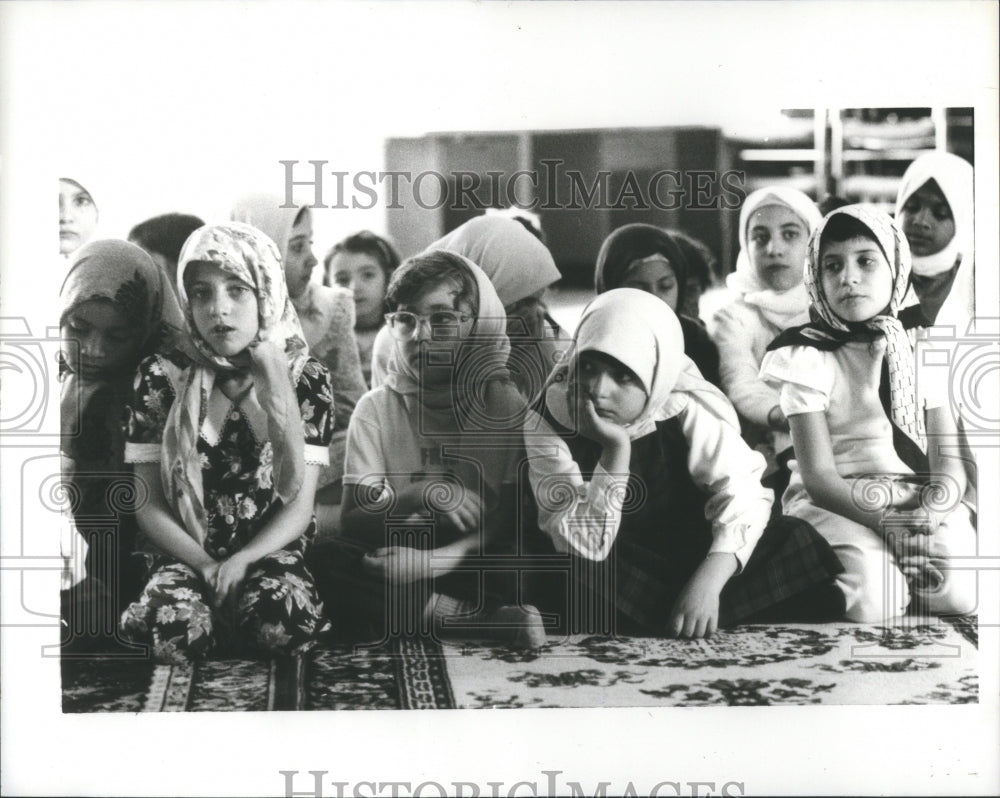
{"points": [[789, 577]]}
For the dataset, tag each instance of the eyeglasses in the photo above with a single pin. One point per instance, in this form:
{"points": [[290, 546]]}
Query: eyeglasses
{"points": [[444, 324]]}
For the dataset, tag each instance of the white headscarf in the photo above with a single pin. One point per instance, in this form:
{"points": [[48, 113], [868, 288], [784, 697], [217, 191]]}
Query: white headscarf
{"points": [[481, 399], [954, 176], [783, 309], [87, 181], [636, 329], [489, 361], [517, 263]]}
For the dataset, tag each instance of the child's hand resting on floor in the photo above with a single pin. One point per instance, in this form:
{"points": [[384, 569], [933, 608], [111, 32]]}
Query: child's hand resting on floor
{"points": [[696, 611]]}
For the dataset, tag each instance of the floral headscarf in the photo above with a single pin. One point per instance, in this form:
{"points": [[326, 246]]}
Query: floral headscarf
{"points": [[249, 255], [124, 276]]}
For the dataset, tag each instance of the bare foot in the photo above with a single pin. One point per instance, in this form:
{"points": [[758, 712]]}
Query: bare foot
{"points": [[522, 627]]}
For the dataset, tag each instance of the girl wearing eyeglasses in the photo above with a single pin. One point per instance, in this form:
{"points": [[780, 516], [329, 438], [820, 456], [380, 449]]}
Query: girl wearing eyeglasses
{"points": [[431, 464]]}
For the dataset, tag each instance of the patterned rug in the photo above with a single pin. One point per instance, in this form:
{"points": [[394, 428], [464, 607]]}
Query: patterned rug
{"points": [[935, 663]]}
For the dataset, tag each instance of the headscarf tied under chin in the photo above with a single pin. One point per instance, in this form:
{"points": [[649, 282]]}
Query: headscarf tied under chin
{"points": [[783, 309], [954, 177], [636, 329], [246, 253], [829, 332], [480, 397]]}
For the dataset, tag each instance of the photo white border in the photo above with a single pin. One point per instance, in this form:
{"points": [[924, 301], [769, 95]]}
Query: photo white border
{"points": [[604, 65]]}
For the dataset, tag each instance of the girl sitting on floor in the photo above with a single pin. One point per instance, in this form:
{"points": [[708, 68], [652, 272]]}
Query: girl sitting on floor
{"points": [[429, 480], [326, 316], [846, 385], [775, 224], [640, 473], [117, 310], [229, 438]]}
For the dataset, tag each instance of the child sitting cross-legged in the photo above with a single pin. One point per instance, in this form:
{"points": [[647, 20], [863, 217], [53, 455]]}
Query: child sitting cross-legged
{"points": [[429, 475], [228, 437]]}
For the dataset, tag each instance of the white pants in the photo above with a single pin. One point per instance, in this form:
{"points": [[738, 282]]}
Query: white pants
{"points": [[874, 587]]}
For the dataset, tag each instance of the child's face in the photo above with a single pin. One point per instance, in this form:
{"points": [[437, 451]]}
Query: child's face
{"points": [[102, 343], [441, 342], [927, 221], [778, 242], [223, 306], [362, 273], [299, 258], [77, 216], [856, 278], [655, 277], [615, 390]]}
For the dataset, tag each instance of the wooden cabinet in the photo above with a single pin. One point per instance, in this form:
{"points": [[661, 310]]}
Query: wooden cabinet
{"points": [[583, 184]]}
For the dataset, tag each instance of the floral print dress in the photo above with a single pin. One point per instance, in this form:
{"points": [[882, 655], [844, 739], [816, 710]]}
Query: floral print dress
{"points": [[278, 609]]}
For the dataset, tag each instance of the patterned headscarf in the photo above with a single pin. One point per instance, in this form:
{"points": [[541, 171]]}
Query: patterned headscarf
{"points": [[828, 331], [248, 254], [124, 276]]}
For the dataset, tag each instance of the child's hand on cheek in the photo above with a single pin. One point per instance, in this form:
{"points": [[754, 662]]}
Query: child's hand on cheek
{"points": [[600, 430]]}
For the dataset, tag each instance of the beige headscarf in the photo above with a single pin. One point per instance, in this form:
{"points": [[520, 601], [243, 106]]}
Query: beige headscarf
{"points": [[480, 403], [516, 263]]}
